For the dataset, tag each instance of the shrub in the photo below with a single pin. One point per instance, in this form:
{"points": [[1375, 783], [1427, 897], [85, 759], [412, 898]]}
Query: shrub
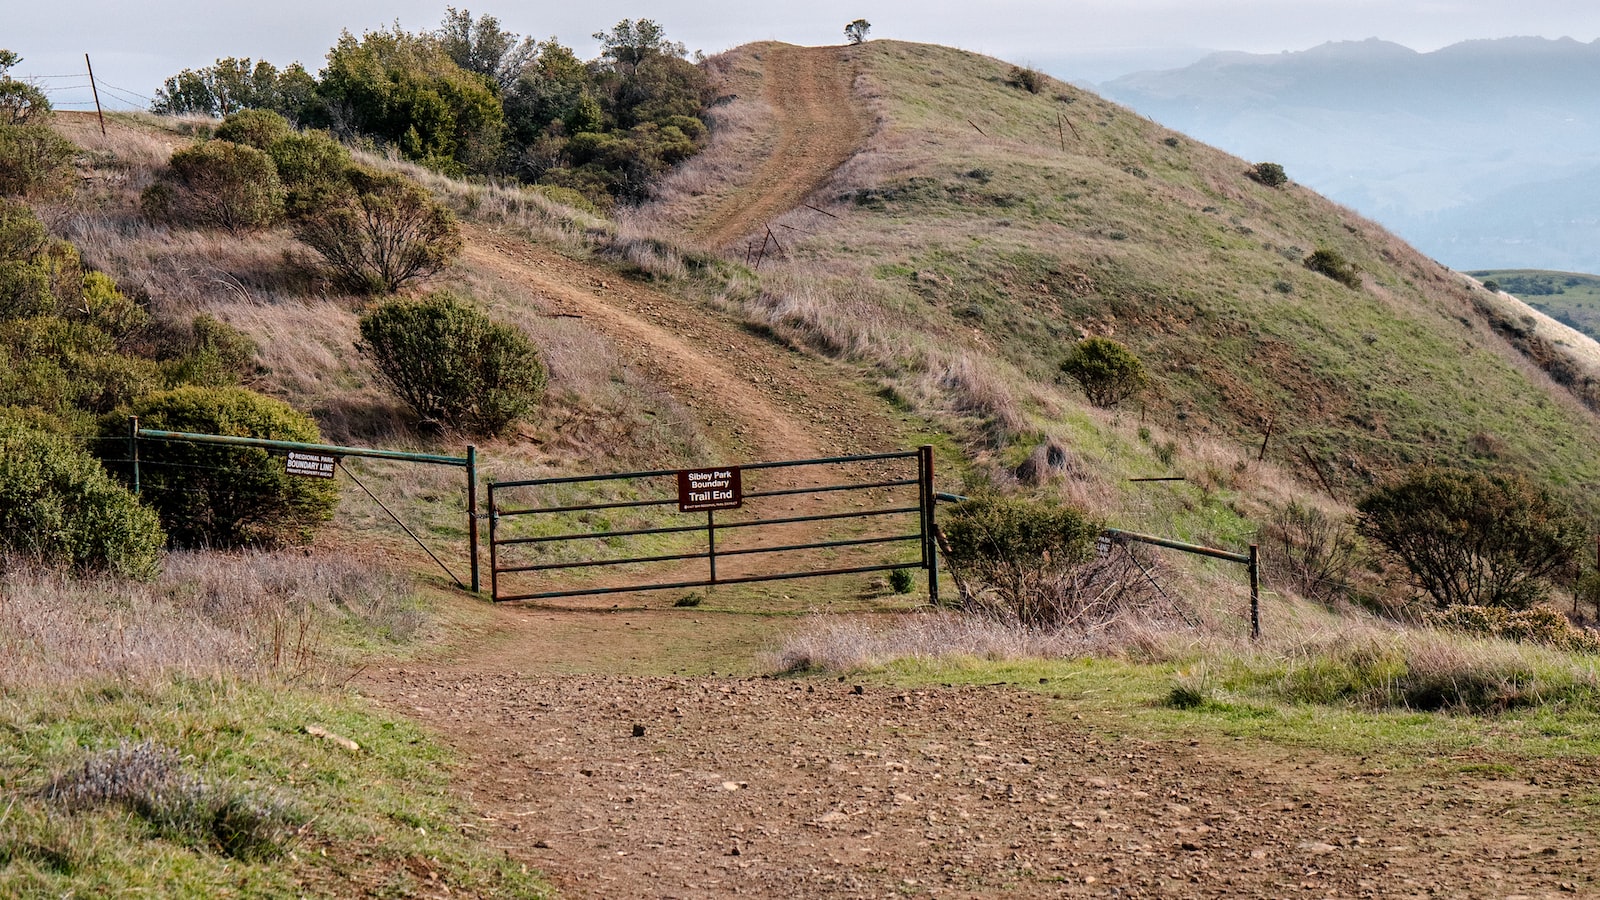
{"points": [[209, 353], [20, 102], [148, 781], [1316, 551], [1107, 371], [1333, 264], [258, 128], [311, 166], [35, 161], [379, 231], [453, 365], [59, 506], [1029, 79], [1470, 538], [220, 496], [217, 184], [900, 581], [1269, 173], [1538, 625], [61, 366], [1020, 549], [856, 31]]}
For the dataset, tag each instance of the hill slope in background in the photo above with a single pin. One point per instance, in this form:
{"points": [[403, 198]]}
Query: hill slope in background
{"points": [[1482, 154], [1568, 297], [948, 264], [984, 229]]}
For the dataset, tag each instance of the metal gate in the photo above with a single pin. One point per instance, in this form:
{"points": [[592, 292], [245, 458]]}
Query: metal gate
{"points": [[685, 528]]}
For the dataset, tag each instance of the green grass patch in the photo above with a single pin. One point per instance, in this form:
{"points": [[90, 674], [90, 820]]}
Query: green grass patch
{"points": [[1321, 703], [379, 820]]}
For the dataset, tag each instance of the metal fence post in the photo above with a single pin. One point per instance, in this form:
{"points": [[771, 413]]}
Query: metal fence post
{"points": [[1255, 592], [711, 542], [930, 549], [494, 565], [472, 513], [133, 450]]}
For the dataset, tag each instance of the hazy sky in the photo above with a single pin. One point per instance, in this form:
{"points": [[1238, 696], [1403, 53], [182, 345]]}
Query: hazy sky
{"points": [[135, 46]]}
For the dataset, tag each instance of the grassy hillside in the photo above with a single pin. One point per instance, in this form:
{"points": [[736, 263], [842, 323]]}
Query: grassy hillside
{"points": [[986, 228], [1567, 297]]}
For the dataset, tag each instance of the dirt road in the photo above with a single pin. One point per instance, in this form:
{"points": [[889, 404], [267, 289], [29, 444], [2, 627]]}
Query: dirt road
{"points": [[820, 125], [755, 395], [784, 788]]}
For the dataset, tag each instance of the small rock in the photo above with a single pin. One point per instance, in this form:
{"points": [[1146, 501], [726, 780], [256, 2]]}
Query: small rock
{"points": [[638, 730], [858, 689]]}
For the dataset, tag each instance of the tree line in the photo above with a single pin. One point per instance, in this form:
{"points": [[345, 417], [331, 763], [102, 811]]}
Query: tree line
{"points": [[470, 98]]}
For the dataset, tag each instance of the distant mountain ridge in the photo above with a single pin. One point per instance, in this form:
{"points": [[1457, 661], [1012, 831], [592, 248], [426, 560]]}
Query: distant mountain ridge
{"points": [[1484, 154]]}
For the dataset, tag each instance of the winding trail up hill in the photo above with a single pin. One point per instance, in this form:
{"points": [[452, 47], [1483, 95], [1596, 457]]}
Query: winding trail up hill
{"points": [[819, 124]]}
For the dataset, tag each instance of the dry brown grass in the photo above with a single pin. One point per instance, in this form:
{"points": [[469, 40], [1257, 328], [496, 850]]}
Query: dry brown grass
{"points": [[208, 614], [834, 644]]}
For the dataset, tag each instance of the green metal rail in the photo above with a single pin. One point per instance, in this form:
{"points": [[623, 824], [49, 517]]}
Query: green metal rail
{"points": [[468, 462]]}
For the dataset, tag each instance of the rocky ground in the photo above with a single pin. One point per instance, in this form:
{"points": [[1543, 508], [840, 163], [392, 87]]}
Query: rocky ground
{"points": [[704, 787]]}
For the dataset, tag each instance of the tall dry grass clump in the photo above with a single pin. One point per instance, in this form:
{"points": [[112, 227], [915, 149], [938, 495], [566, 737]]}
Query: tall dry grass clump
{"points": [[252, 614]]}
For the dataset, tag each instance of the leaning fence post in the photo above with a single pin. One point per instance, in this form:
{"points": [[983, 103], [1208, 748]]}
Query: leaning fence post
{"points": [[1255, 592], [133, 449], [472, 512]]}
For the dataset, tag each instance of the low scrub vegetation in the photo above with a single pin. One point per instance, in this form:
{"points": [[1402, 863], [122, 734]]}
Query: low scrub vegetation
{"points": [[215, 496], [34, 160], [379, 230], [452, 364], [1107, 371], [1269, 173], [1333, 264], [1030, 564], [1473, 539], [59, 507], [1027, 78], [150, 782], [217, 184]]}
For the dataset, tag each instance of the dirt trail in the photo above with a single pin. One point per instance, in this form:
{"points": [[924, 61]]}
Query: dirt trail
{"points": [[820, 125], [758, 397], [784, 788]]}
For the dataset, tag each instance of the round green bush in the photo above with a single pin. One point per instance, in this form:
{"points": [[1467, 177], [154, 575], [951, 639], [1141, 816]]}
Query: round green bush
{"points": [[452, 364], [1473, 538], [35, 161], [217, 184], [378, 230], [1107, 371], [219, 496], [258, 128], [1019, 548], [57, 505]]}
